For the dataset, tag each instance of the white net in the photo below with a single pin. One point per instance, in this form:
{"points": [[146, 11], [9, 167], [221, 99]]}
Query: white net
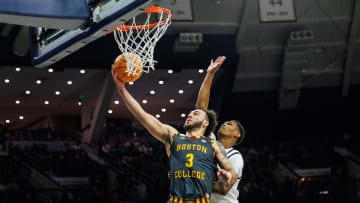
{"points": [[141, 40]]}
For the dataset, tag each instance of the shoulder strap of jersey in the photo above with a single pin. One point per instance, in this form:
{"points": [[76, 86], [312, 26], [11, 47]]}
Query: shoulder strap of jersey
{"points": [[171, 141], [172, 138], [212, 144]]}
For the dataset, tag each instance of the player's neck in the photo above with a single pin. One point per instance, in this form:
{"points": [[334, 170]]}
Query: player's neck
{"points": [[226, 142], [195, 132]]}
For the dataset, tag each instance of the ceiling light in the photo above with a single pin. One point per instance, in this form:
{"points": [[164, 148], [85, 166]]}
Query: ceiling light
{"points": [[201, 70], [79, 103], [190, 81], [69, 82], [116, 102], [170, 71], [7, 121], [7, 80], [157, 116], [163, 110], [50, 70], [57, 92], [21, 117], [144, 101], [17, 69], [38, 82], [183, 115], [46, 102], [172, 101], [181, 91], [131, 83], [82, 71], [161, 82], [152, 92], [110, 111], [27, 92], [17, 102]]}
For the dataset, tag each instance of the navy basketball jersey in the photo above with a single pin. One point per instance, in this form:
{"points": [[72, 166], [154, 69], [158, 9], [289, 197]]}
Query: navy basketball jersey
{"points": [[192, 167]]}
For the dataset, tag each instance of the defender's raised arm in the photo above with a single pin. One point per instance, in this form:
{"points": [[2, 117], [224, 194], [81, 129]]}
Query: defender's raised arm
{"points": [[204, 92]]}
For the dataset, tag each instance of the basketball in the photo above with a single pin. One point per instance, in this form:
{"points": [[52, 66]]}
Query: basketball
{"points": [[125, 73]]}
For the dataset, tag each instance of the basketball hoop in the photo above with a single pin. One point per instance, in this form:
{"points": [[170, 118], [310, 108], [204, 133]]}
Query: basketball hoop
{"points": [[141, 39]]}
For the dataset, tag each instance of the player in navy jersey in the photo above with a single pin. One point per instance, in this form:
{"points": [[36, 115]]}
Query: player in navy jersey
{"points": [[192, 155], [229, 134]]}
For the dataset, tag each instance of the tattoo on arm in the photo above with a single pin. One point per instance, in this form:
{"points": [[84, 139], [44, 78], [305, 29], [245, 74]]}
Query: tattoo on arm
{"points": [[222, 150]]}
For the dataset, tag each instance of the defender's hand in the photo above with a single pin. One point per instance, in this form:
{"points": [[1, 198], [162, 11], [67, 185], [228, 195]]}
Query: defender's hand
{"points": [[214, 66]]}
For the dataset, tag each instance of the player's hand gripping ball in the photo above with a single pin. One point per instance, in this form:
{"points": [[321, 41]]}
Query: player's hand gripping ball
{"points": [[122, 68]]}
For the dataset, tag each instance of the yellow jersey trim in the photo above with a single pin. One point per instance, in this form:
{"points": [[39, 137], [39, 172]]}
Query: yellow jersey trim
{"points": [[181, 200], [171, 142], [213, 146]]}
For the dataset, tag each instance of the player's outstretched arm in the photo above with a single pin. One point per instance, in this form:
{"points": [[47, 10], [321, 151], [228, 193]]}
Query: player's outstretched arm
{"points": [[227, 175], [204, 92], [160, 131]]}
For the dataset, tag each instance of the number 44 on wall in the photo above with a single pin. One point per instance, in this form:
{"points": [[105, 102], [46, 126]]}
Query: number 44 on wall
{"points": [[277, 10]]}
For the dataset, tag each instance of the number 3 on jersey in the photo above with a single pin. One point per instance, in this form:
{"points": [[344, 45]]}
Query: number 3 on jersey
{"points": [[190, 162]]}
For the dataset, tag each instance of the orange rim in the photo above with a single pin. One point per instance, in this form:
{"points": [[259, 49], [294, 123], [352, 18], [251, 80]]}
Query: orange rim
{"points": [[153, 9]]}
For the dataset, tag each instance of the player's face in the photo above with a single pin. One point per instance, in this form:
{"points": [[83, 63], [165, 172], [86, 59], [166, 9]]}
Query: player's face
{"points": [[228, 128], [194, 119]]}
